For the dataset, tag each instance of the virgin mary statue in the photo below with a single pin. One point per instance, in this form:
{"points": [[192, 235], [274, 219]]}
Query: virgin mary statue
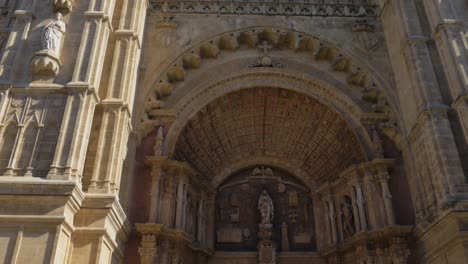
{"points": [[52, 34], [265, 206]]}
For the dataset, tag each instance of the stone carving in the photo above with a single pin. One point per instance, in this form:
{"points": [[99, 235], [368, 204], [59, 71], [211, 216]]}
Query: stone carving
{"points": [[46, 61], [238, 208], [265, 206], [364, 36], [265, 60], [166, 34], [52, 34], [266, 247], [267, 252], [269, 7], [158, 145], [63, 4], [347, 217], [262, 171]]}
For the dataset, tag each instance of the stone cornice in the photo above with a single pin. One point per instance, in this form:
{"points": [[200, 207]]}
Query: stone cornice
{"points": [[272, 8]]}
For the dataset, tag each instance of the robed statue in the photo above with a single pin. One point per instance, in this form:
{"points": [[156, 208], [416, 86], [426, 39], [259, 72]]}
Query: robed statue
{"points": [[52, 34], [265, 206]]}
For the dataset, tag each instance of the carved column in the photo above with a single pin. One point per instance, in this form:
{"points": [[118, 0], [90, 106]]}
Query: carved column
{"points": [[168, 200], [340, 236], [210, 221], [373, 206], [386, 196], [148, 245], [357, 221], [200, 220], [361, 206], [147, 251], [156, 175], [181, 193], [70, 155], [332, 219], [117, 96]]}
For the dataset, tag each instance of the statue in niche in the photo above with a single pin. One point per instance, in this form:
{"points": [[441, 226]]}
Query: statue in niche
{"points": [[347, 217], [265, 206], [52, 34]]}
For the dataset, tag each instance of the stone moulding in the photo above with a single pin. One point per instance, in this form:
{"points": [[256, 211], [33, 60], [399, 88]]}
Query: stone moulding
{"points": [[45, 62], [265, 8]]}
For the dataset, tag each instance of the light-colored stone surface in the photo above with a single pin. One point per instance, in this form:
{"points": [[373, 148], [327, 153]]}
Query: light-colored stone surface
{"points": [[143, 108]]}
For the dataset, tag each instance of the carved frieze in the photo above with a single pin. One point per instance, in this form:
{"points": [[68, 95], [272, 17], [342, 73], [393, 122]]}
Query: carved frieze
{"points": [[268, 7]]}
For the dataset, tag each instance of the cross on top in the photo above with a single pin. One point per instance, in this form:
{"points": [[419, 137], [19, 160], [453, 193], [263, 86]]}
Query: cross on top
{"points": [[265, 47]]}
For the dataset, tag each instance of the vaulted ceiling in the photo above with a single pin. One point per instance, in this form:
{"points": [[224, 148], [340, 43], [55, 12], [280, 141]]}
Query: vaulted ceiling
{"points": [[269, 122]]}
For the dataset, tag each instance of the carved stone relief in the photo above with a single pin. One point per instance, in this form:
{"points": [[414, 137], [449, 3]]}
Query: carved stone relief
{"points": [[347, 217], [46, 61], [290, 8], [249, 207], [32, 122]]}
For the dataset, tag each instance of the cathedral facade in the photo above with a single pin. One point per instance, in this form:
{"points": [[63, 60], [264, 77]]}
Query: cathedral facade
{"points": [[234, 131]]}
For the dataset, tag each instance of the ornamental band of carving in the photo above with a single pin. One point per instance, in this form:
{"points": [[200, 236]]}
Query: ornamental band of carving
{"points": [[269, 7]]}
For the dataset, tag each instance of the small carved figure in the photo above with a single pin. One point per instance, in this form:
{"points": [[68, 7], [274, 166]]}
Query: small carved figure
{"points": [[347, 217], [265, 206], [52, 34]]}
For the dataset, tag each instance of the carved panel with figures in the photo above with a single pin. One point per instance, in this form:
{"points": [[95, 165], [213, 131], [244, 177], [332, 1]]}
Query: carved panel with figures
{"points": [[238, 218]]}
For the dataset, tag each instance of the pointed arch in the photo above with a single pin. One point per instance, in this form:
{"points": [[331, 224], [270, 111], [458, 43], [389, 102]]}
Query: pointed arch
{"points": [[26, 146], [46, 150]]}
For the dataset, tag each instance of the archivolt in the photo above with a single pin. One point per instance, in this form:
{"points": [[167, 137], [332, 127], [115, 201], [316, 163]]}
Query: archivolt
{"points": [[199, 97], [372, 87]]}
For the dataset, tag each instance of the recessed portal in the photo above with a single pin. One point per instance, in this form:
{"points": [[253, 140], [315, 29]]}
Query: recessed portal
{"points": [[238, 211]]}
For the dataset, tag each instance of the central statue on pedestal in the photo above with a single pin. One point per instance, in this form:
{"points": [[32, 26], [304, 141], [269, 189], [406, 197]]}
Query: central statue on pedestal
{"points": [[266, 247], [266, 208]]}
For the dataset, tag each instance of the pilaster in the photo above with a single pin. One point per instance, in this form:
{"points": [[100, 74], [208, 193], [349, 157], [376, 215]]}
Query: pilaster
{"points": [[14, 45], [117, 92], [100, 224]]}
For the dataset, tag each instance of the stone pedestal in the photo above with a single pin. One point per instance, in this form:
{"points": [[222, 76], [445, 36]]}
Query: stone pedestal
{"points": [[45, 62], [266, 247]]}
